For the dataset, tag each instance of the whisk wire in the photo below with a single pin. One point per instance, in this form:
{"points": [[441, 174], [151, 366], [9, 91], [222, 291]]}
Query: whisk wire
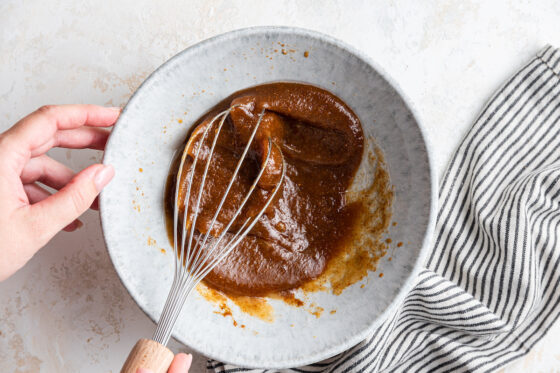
{"points": [[224, 197], [223, 115], [238, 237], [197, 260], [172, 298]]}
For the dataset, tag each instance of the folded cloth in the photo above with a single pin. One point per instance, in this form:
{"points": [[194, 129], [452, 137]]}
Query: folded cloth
{"points": [[490, 289]]}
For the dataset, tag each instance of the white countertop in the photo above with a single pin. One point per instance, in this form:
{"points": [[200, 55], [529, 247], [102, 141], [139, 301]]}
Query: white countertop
{"points": [[66, 311]]}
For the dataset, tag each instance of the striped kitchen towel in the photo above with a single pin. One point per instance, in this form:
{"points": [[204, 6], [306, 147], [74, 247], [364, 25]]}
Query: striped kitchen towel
{"points": [[490, 289]]}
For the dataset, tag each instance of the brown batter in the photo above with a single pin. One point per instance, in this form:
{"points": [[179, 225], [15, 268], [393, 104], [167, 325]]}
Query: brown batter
{"points": [[309, 220]]}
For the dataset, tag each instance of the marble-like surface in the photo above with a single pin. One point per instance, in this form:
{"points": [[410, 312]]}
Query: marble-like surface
{"points": [[66, 310]]}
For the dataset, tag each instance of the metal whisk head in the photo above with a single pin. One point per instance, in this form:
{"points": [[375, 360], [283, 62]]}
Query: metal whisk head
{"points": [[197, 255]]}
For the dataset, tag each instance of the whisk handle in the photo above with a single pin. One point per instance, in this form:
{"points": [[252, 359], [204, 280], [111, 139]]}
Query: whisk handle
{"points": [[148, 354]]}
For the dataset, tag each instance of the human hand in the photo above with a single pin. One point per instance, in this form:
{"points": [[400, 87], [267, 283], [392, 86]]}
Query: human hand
{"points": [[180, 364], [29, 215]]}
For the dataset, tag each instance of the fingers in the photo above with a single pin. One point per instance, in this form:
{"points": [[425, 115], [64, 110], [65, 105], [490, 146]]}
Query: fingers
{"points": [[75, 225], [59, 210], [84, 137], [36, 194], [95, 204], [47, 171], [35, 134], [180, 364]]}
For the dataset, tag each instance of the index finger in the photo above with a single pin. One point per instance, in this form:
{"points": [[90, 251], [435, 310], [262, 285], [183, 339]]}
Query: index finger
{"points": [[35, 134]]}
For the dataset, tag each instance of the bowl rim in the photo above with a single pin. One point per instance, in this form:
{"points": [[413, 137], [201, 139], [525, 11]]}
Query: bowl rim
{"points": [[428, 233]]}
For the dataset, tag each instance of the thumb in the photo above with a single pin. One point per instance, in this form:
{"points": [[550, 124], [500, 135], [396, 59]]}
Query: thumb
{"points": [[181, 363], [57, 211]]}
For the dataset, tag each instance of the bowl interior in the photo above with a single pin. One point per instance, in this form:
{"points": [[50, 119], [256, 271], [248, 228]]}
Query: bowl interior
{"points": [[156, 121]]}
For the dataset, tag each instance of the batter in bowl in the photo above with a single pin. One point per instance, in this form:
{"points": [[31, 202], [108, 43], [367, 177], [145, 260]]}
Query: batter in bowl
{"points": [[310, 219]]}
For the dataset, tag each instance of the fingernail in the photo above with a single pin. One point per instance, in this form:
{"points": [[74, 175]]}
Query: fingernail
{"points": [[116, 108], [75, 225], [188, 362], [103, 176]]}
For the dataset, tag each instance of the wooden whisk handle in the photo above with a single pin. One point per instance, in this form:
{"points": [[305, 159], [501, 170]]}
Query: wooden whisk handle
{"points": [[148, 354]]}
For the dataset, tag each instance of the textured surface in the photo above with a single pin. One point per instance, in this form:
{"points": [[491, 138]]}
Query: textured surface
{"points": [[66, 311]]}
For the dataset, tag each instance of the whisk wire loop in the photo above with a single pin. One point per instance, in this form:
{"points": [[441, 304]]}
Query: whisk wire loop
{"points": [[195, 261]]}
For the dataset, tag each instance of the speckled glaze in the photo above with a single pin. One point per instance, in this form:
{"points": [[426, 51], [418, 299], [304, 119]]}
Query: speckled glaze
{"points": [[155, 122]]}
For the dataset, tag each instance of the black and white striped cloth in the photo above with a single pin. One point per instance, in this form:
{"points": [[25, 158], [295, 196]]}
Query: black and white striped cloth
{"points": [[490, 289]]}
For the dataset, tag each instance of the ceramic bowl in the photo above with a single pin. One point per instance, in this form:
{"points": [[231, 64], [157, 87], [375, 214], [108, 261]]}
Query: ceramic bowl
{"points": [[155, 122]]}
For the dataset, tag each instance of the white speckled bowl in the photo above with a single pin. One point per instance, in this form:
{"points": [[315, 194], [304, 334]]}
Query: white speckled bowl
{"points": [[149, 131]]}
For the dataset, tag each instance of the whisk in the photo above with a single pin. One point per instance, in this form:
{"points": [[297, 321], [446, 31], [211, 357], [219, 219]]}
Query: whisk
{"points": [[195, 257]]}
